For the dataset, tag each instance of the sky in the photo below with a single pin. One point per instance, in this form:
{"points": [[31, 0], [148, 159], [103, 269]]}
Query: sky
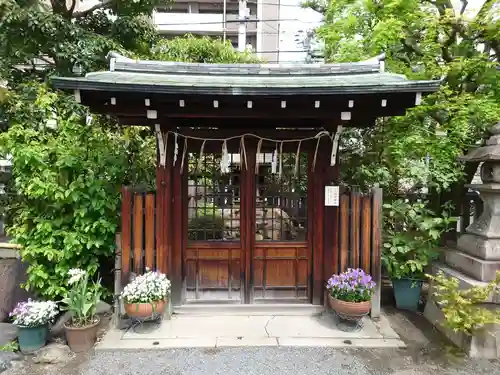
{"points": [[290, 31]]}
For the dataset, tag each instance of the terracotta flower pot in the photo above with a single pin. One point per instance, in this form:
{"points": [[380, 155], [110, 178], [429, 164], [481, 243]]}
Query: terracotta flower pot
{"points": [[145, 310], [350, 309], [82, 339]]}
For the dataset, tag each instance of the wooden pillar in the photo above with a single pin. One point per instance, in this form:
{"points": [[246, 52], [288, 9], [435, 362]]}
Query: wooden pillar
{"points": [[376, 250], [163, 212], [248, 192], [185, 221], [177, 227], [126, 234], [330, 224], [318, 218]]}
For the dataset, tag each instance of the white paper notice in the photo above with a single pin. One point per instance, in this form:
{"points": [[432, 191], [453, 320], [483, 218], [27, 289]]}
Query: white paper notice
{"points": [[331, 196]]}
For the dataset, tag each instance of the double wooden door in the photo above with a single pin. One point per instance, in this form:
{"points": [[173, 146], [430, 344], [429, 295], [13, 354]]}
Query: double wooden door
{"points": [[248, 233]]}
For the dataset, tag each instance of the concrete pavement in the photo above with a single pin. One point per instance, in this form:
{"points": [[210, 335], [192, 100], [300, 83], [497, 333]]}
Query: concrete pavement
{"points": [[247, 331]]}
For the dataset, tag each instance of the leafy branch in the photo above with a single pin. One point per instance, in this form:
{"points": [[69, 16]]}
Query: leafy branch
{"points": [[464, 309]]}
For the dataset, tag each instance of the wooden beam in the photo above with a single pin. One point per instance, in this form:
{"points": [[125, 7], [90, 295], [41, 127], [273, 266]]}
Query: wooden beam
{"points": [[339, 101], [257, 123], [333, 114], [267, 133]]}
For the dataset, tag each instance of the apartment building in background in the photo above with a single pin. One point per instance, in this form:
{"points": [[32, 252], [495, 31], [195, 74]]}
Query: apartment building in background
{"points": [[206, 17]]}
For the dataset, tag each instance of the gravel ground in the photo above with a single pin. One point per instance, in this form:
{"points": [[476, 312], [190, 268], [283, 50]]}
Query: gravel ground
{"points": [[5, 360], [427, 354], [278, 361]]}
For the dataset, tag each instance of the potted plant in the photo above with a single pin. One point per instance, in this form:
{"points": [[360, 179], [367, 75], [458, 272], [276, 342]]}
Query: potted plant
{"points": [[411, 238], [81, 301], [32, 319], [350, 293], [146, 295]]}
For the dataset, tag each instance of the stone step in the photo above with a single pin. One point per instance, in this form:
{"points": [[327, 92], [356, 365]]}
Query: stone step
{"points": [[466, 281], [485, 344], [480, 269], [294, 309]]}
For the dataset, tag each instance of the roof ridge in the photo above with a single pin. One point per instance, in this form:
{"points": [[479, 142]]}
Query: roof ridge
{"points": [[121, 63]]}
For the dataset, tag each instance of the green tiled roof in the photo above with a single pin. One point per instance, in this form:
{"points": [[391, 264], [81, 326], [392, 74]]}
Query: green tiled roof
{"points": [[245, 79]]}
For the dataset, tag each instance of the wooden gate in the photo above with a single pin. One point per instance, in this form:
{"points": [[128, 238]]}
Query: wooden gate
{"points": [[278, 271], [247, 230]]}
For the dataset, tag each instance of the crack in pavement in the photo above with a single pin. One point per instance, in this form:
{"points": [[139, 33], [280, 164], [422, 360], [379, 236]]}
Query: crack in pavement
{"points": [[265, 327]]}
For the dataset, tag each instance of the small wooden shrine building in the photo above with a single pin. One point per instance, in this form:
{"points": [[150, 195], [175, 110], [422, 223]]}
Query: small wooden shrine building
{"points": [[245, 208]]}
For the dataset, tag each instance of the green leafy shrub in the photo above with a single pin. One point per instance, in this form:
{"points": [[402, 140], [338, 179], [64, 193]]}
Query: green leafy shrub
{"points": [[464, 309], [411, 237], [67, 175], [206, 227], [208, 223], [191, 48]]}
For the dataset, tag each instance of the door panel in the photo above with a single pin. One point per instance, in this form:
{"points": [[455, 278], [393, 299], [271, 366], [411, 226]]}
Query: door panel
{"points": [[281, 272], [281, 255], [212, 272], [212, 256]]}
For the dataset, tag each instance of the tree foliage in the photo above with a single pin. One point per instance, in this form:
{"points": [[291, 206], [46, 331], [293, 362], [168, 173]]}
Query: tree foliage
{"points": [[53, 32], [67, 172], [422, 39]]}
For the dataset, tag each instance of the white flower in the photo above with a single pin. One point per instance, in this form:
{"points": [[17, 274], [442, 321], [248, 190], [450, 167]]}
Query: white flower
{"points": [[75, 275], [149, 287], [34, 313]]}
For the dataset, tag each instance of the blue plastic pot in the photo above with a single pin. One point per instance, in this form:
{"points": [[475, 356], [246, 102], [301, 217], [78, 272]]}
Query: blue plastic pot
{"points": [[407, 293], [32, 338]]}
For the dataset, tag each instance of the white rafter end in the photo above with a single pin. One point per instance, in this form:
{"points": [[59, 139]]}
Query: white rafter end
{"points": [[78, 97], [151, 114], [345, 116], [181, 103], [283, 104], [216, 104], [113, 101], [351, 103], [384, 103], [147, 102], [249, 104], [317, 103]]}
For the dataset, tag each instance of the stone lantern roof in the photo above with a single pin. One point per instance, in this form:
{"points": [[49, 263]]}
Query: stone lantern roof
{"points": [[488, 152]]}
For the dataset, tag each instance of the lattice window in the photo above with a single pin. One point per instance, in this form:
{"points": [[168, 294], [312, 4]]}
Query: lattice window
{"points": [[213, 198], [281, 206]]}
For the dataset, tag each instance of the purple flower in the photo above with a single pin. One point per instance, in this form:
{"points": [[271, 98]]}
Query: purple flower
{"points": [[354, 285]]}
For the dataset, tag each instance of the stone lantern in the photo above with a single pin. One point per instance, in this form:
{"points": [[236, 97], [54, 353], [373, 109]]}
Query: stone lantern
{"points": [[482, 238], [476, 259]]}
